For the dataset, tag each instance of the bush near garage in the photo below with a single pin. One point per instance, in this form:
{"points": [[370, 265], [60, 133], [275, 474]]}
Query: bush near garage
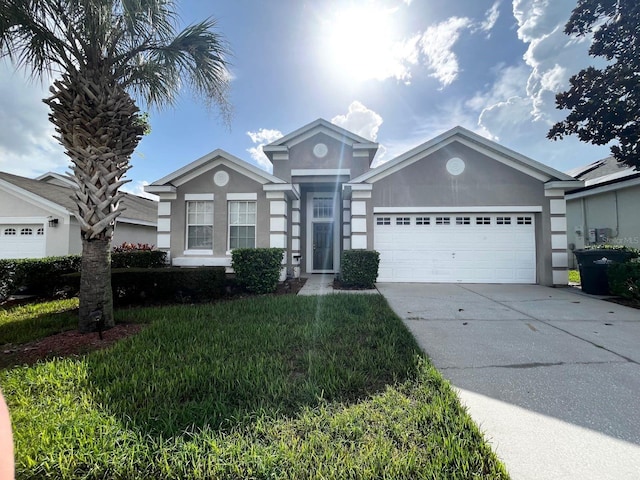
{"points": [[257, 269], [624, 280], [359, 268]]}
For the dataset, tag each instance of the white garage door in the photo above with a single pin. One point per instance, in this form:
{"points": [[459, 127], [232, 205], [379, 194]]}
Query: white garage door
{"points": [[22, 241], [467, 248]]}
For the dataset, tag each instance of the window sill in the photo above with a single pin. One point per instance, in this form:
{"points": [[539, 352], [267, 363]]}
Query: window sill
{"points": [[198, 252]]}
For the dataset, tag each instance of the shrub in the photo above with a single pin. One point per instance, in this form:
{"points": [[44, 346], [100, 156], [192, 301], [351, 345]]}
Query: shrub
{"points": [[359, 268], [132, 247], [133, 286], [138, 259], [37, 276], [257, 269], [624, 279], [7, 278]]}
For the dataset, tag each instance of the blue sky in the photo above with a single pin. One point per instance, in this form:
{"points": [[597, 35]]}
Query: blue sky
{"points": [[395, 71]]}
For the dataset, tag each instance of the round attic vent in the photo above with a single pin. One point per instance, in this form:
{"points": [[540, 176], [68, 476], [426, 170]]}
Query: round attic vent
{"points": [[320, 150], [455, 166], [221, 178]]}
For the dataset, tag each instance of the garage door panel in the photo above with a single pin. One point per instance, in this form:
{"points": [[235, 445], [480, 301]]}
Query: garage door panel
{"points": [[470, 252], [22, 241]]}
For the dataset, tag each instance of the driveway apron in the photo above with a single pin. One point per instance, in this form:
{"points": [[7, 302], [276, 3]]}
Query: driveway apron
{"points": [[551, 376]]}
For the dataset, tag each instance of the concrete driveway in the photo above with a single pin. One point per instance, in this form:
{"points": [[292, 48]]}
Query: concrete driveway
{"points": [[551, 376]]}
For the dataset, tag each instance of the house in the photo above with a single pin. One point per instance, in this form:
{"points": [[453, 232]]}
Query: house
{"points": [[37, 220], [458, 208], [604, 210]]}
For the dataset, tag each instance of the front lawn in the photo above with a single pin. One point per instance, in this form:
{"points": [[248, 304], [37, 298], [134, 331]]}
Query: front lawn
{"points": [[292, 387]]}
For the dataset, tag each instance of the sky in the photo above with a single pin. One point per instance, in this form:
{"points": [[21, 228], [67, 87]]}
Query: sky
{"points": [[398, 72]]}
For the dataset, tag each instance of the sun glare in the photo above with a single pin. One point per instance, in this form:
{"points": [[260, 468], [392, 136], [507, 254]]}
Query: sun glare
{"points": [[362, 45]]}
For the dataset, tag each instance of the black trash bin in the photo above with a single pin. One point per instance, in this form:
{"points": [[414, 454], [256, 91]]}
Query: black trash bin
{"points": [[593, 264]]}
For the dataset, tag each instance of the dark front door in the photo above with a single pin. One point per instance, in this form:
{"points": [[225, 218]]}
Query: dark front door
{"points": [[323, 246]]}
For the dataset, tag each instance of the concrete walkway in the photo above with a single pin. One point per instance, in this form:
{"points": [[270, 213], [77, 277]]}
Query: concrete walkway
{"points": [[551, 377], [322, 284]]}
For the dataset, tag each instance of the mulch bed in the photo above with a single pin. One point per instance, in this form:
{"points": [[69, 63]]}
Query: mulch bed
{"points": [[74, 343]]}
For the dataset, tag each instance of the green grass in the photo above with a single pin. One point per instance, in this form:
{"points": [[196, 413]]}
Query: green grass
{"points": [[272, 387], [574, 276], [21, 324]]}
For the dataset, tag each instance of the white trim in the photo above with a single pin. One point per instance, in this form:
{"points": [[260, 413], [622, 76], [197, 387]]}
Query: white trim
{"points": [[158, 189], [202, 262], [281, 156], [361, 194], [485, 209], [558, 224], [255, 224], [358, 208], [558, 241], [308, 248], [164, 208], [604, 189], [357, 186], [167, 196], [198, 252], [560, 277], [242, 196], [563, 185], [194, 197], [163, 240], [312, 172], [134, 221], [557, 206], [164, 225], [559, 260]]}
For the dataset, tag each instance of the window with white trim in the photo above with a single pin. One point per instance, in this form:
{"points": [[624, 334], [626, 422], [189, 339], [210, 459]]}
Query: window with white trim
{"points": [[9, 231], [242, 224], [463, 220], [26, 231], [403, 220], [423, 220], [383, 221], [443, 221], [483, 220], [200, 225], [524, 221], [503, 220]]}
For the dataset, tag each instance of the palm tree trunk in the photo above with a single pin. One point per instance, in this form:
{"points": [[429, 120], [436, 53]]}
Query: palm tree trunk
{"points": [[96, 310]]}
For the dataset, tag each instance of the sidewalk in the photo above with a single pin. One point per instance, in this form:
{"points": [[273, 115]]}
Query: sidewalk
{"points": [[322, 284]]}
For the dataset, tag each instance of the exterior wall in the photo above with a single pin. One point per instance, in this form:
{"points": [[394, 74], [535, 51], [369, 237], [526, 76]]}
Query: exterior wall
{"points": [[172, 227], [615, 210], [131, 233], [484, 182], [339, 156]]}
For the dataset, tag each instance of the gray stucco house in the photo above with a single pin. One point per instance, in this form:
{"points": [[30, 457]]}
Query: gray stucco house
{"points": [[458, 208], [605, 209]]}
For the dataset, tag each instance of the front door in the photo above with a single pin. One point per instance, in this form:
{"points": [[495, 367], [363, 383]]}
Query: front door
{"points": [[323, 245]]}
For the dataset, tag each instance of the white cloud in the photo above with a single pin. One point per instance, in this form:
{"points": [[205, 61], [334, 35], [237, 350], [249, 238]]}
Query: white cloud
{"points": [[27, 146], [360, 120], [262, 137], [491, 17], [437, 44]]}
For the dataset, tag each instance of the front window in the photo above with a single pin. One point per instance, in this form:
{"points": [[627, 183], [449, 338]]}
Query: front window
{"points": [[322, 207], [200, 225], [242, 224]]}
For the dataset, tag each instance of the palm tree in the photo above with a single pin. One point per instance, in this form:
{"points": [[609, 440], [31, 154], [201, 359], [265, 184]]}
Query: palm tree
{"points": [[105, 53]]}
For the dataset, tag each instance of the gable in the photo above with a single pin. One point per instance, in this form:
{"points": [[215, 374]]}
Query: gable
{"points": [[204, 165], [433, 180], [476, 143]]}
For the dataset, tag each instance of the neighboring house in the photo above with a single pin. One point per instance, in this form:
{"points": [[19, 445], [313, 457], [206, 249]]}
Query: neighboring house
{"points": [[605, 210], [458, 208], [36, 218]]}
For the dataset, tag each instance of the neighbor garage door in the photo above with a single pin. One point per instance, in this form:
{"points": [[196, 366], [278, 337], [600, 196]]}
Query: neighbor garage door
{"points": [[467, 248], [22, 241]]}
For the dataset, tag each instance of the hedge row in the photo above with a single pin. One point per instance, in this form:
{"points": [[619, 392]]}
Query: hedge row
{"points": [[257, 269], [41, 276], [359, 268], [135, 286]]}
